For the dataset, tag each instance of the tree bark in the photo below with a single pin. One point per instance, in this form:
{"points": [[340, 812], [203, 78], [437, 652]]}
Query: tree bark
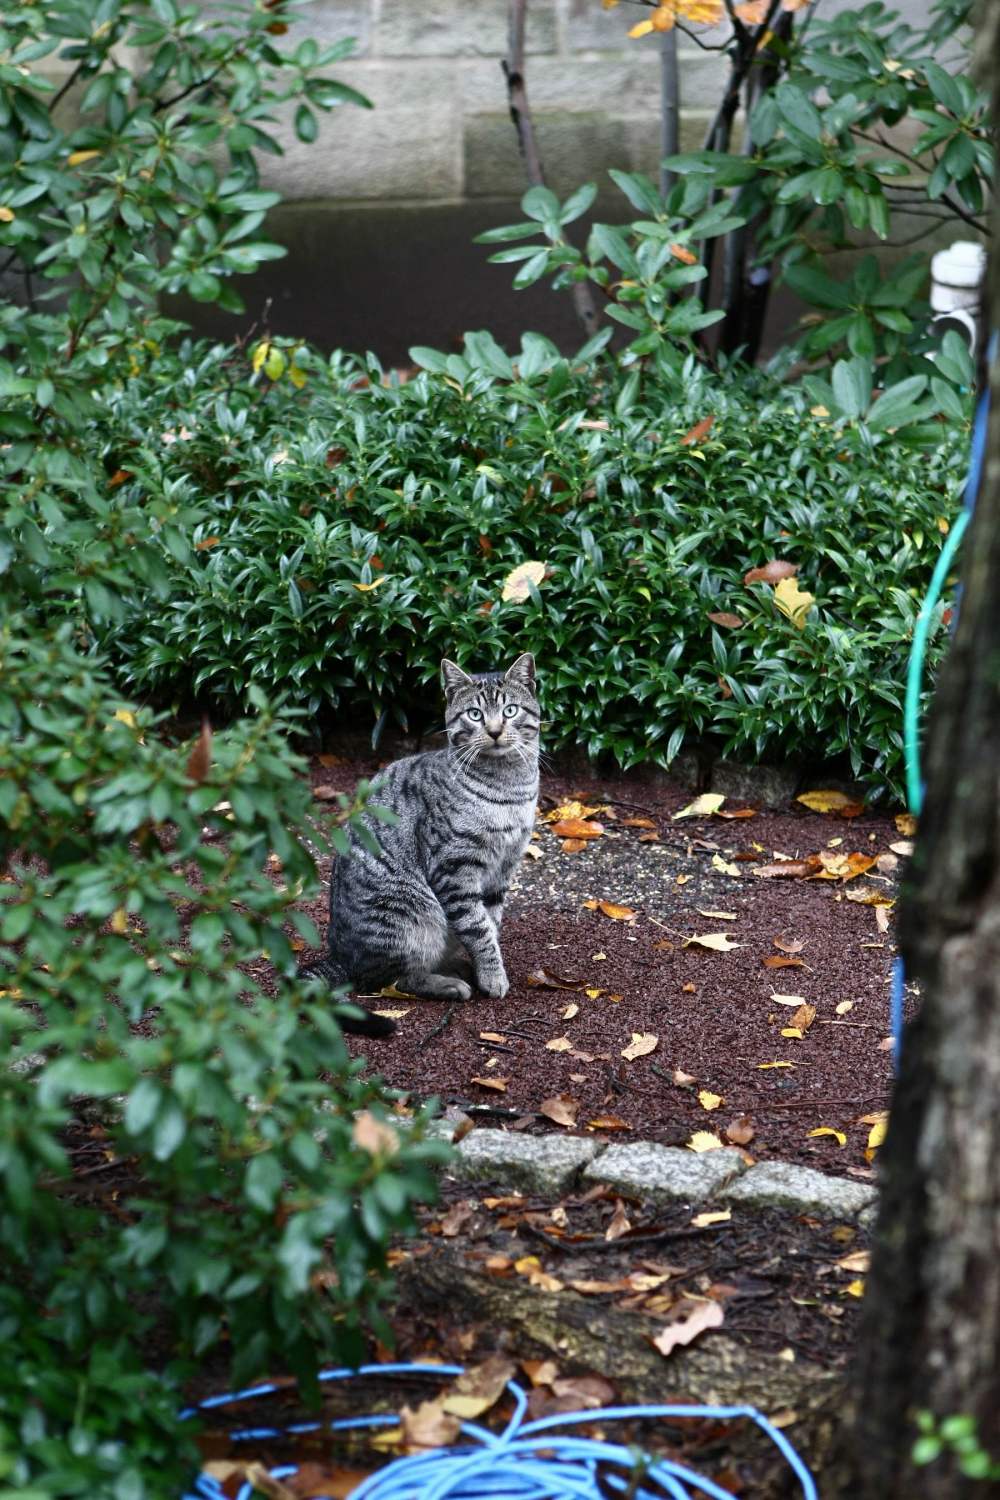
{"points": [[931, 1328], [520, 113]]}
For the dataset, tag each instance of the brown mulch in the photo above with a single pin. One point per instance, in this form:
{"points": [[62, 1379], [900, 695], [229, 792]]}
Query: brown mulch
{"points": [[713, 1013]]}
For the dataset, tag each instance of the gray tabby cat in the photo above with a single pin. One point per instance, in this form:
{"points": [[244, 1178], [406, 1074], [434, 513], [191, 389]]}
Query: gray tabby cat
{"points": [[425, 911]]}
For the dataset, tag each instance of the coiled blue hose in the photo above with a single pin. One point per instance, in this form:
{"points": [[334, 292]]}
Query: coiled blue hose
{"points": [[521, 1463]]}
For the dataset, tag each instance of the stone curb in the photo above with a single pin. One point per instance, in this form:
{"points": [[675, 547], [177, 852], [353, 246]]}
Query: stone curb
{"points": [[661, 1174]]}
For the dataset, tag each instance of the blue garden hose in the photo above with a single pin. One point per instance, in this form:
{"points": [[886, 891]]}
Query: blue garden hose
{"points": [[526, 1461], [915, 669]]}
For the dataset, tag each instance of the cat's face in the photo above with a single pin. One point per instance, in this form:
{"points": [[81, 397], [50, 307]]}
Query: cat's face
{"points": [[493, 714]]}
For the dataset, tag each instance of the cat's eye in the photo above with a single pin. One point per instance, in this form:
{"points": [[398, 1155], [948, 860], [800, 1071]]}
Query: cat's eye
{"points": [[475, 714], [510, 711]]}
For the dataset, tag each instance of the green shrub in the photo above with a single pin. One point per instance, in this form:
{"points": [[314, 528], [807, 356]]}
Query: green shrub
{"points": [[246, 1184], [354, 531]]}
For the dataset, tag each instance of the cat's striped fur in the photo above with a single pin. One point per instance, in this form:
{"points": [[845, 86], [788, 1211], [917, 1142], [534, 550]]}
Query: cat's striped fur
{"points": [[425, 911]]}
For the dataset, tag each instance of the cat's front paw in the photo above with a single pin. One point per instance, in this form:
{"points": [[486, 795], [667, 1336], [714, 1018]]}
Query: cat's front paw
{"points": [[494, 985]]}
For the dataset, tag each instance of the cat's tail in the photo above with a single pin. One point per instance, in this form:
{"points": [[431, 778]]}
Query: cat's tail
{"points": [[364, 1024]]}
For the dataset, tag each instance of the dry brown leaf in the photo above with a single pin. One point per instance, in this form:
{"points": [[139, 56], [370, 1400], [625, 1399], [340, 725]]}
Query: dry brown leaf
{"points": [[588, 1392], [541, 1371], [598, 1288], [906, 824], [858, 1260], [562, 1108], [683, 1080], [716, 1216], [325, 792], [638, 823], [774, 962], [571, 1010], [804, 1017], [789, 869], [722, 617], [617, 913], [642, 1043], [577, 828], [703, 428], [717, 916], [265, 1484], [478, 1388], [699, 1317], [737, 812], [789, 945], [771, 572], [200, 760], [882, 918], [740, 1131], [867, 895], [373, 1135], [571, 809], [499, 1085], [492, 1036], [430, 1426], [573, 846], [544, 979], [457, 1215], [619, 1223], [607, 1122], [559, 1044]]}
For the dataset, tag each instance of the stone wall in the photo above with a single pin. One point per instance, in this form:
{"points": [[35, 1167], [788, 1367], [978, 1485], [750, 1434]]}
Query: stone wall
{"points": [[440, 131]]}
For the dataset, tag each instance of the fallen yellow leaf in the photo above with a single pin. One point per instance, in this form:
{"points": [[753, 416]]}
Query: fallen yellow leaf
{"points": [[855, 1288], [559, 1044], [704, 1140], [642, 1043], [701, 807], [725, 867], [906, 824], [720, 1216], [793, 602], [517, 585], [838, 1135], [615, 912], [717, 941], [824, 802], [708, 1100], [777, 1065], [718, 916]]}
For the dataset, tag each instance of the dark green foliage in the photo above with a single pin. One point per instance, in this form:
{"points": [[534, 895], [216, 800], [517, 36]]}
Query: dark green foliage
{"points": [[239, 1187], [357, 531]]}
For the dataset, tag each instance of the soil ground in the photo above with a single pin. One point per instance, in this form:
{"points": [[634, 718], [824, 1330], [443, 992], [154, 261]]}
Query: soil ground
{"points": [[585, 983]]}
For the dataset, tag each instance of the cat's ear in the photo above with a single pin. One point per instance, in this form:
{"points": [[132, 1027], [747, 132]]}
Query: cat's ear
{"points": [[452, 677], [523, 671]]}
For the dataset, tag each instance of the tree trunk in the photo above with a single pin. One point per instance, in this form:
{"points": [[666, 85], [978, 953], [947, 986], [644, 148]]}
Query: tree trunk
{"points": [[931, 1329]]}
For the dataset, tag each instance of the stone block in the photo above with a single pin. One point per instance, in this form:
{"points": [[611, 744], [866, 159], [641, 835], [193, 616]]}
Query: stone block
{"points": [[542, 1164], [779, 1184], [661, 1174], [371, 154], [330, 21], [456, 28], [574, 148], [771, 786], [405, 83]]}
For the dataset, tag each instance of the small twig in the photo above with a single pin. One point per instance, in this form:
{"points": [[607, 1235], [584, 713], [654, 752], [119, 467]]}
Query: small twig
{"points": [[444, 1022], [811, 1103], [624, 1242]]}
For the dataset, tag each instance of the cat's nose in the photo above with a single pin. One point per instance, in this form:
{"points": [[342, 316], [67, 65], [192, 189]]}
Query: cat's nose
{"points": [[494, 731]]}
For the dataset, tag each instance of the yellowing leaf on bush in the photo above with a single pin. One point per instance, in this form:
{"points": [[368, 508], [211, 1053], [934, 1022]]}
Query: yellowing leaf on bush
{"points": [[708, 1100], [126, 716], [704, 1140], [77, 158], [119, 921], [752, 13], [642, 1042], [701, 807], [717, 941], [366, 588], [794, 603], [517, 585], [838, 1135]]}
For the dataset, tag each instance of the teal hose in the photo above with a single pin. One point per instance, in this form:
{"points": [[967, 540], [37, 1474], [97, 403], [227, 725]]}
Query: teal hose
{"points": [[915, 670]]}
